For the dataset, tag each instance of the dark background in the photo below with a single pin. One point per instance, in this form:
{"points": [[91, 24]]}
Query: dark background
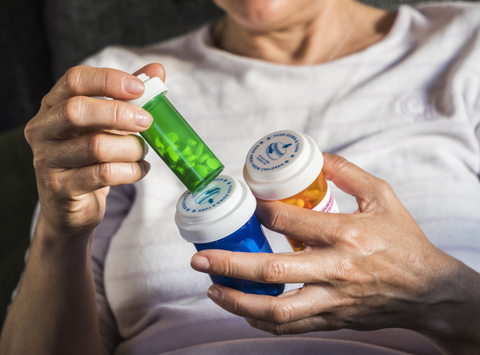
{"points": [[40, 40]]}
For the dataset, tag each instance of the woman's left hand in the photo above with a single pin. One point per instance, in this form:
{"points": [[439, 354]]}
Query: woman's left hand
{"points": [[368, 270]]}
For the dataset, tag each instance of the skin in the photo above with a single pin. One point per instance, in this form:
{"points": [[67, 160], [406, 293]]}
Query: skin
{"points": [[72, 138], [302, 32], [83, 145], [372, 269]]}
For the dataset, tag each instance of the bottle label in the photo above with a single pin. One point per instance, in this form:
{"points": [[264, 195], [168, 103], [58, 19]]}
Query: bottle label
{"points": [[216, 193], [275, 151], [328, 204]]}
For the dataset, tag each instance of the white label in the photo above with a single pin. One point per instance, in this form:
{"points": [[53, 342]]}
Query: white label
{"points": [[214, 194], [328, 203]]}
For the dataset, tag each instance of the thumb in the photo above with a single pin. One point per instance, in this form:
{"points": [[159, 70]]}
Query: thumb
{"points": [[152, 70], [366, 188]]}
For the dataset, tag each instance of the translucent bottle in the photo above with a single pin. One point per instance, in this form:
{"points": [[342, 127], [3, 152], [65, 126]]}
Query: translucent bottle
{"points": [[174, 140], [287, 166], [221, 216]]}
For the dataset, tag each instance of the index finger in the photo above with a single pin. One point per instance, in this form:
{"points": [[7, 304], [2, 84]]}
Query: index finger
{"points": [[313, 227], [89, 81], [298, 267]]}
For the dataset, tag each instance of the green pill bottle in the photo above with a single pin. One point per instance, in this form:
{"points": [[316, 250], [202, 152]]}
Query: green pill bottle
{"points": [[174, 140]]}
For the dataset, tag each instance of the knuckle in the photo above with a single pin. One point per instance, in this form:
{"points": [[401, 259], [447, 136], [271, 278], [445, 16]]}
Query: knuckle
{"points": [[28, 132], [118, 113], [273, 271], [384, 188], [280, 313], [276, 329], [237, 307], [227, 266], [97, 147], [50, 182], [339, 163], [352, 234], [274, 218], [73, 78], [72, 109], [103, 174], [39, 163], [48, 100], [109, 79], [344, 272], [328, 324]]}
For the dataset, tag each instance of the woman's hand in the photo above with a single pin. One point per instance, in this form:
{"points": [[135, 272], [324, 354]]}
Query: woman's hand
{"points": [[81, 145], [368, 270]]}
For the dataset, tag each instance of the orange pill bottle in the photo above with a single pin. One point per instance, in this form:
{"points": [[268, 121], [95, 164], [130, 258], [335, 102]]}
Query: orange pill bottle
{"points": [[287, 166]]}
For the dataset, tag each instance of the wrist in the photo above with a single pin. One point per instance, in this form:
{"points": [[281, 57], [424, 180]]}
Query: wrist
{"points": [[49, 239], [452, 320]]}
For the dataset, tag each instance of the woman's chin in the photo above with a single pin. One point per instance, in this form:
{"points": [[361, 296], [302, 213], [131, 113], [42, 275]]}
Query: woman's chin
{"points": [[262, 15]]}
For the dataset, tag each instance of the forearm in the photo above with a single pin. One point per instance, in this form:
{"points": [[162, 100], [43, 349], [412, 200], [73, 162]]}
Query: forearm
{"points": [[54, 311]]}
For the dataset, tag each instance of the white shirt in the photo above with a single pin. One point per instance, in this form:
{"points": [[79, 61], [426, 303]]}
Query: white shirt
{"points": [[406, 109]]}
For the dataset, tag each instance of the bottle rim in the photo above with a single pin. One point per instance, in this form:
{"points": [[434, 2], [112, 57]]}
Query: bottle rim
{"points": [[215, 212]]}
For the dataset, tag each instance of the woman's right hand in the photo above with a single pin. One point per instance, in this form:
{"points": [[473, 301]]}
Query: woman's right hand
{"points": [[82, 145]]}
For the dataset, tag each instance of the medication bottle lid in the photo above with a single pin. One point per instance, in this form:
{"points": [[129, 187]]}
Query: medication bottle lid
{"points": [[153, 87], [215, 212], [282, 164]]}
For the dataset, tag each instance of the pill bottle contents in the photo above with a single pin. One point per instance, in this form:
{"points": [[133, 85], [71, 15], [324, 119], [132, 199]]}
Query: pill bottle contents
{"points": [[174, 140], [287, 166], [221, 216]]}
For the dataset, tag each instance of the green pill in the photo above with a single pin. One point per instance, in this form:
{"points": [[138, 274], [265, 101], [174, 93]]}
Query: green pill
{"points": [[202, 171], [199, 150], [213, 163], [173, 137], [187, 151], [174, 140], [203, 158], [173, 156], [191, 142], [191, 158], [180, 170]]}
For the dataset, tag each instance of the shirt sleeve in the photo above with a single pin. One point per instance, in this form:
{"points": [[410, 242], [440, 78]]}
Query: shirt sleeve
{"points": [[119, 201]]}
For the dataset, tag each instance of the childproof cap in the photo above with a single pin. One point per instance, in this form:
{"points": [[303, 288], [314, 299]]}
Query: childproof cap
{"points": [[215, 212], [282, 164], [221, 216]]}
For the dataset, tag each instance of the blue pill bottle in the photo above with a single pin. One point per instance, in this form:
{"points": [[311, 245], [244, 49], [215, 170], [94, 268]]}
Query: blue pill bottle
{"points": [[221, 216]]}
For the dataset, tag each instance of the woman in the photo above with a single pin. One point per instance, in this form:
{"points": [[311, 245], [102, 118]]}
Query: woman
{"points": [[397, 94]]}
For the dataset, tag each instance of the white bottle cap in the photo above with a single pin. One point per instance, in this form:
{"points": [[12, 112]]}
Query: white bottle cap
{"points": [[215, 212], [153, 87], [282, 164]]}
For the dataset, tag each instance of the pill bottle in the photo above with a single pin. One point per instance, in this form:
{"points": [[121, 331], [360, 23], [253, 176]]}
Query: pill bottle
{"points": [[174, 140], [287, 166], [221, 216]]}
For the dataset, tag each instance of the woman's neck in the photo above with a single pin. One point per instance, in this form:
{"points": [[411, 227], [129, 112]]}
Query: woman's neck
{"points": [[338, 29]]}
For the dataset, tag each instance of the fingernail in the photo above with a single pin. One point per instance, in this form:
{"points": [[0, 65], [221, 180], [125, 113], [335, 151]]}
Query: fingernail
{"points": [[200, 263], [143, 118], [133, 86], [146, 167], [214, 294], [146, 149]]}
